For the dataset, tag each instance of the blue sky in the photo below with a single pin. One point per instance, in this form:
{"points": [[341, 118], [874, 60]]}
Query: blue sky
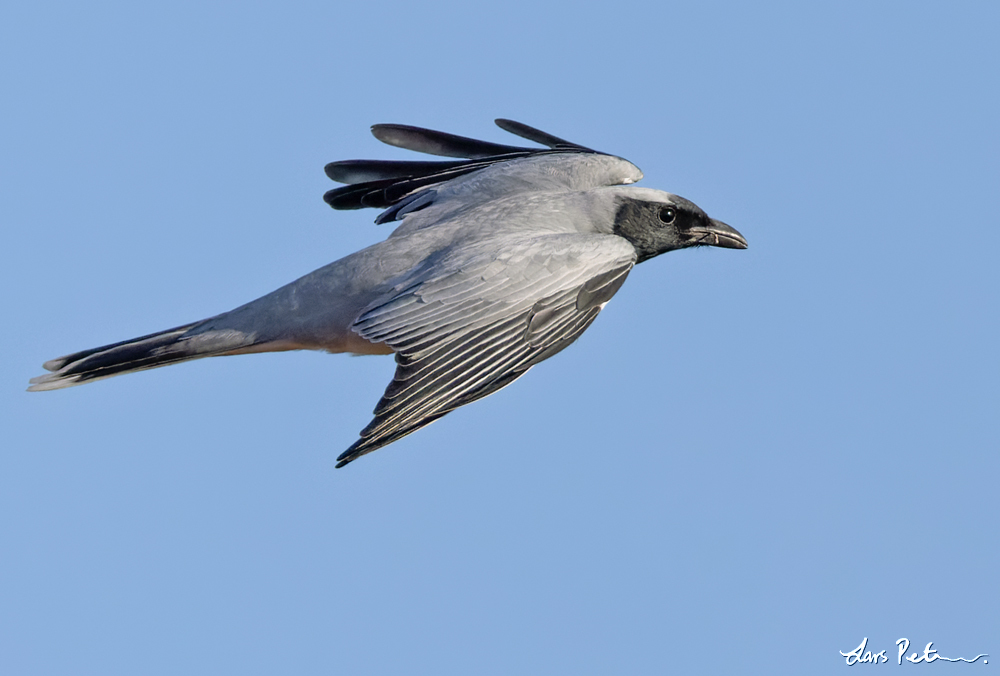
{"points": [[751, 461]]}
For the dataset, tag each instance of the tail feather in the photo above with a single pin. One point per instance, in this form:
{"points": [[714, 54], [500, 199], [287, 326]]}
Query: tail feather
{"points": [[146, 352]]}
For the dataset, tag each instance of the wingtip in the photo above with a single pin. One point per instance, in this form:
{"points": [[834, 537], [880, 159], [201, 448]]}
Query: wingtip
{"points": [[350, 455], [536, 135], [513, 126], [390, 134], [345, 458]]}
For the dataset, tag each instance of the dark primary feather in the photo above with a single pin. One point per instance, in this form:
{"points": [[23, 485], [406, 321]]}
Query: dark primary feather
{"points": [[352, 172], [381, 184], [539, 136], [433, 142]]}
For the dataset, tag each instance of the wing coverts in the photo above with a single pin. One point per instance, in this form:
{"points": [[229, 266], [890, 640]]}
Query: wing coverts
{"points": [[468, 334]]}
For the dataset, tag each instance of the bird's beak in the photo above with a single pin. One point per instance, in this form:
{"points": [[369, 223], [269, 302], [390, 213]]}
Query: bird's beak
{"points": [[717, 233]]}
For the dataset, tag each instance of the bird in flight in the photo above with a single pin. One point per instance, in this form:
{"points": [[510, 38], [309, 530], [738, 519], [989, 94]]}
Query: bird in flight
{"points": [[501, 259]]}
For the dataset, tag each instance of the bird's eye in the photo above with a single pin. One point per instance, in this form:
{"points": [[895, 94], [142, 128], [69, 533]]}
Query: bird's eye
{"points": [[667, 215]]}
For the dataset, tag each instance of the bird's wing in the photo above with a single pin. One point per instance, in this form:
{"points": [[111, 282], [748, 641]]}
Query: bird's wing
{"points": [[465, 334], [403, 187]]}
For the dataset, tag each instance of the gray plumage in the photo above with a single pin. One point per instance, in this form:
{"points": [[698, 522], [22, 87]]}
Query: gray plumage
{"points": [[501, 260]]}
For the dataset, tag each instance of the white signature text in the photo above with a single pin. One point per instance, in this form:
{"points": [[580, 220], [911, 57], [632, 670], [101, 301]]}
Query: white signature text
{"points": [[862, 656]]}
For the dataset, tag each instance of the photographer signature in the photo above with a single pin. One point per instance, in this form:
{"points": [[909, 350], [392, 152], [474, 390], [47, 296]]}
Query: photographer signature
{"points": [[861, 656]]}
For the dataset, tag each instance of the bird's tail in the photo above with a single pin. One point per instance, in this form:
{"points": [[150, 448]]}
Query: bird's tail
{"points": [[146, 352]]}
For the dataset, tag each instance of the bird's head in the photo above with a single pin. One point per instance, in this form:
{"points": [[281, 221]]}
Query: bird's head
{"points": [[656, 222]]}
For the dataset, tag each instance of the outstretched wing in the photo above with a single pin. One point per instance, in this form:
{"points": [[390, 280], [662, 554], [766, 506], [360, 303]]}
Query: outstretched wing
{"points": [[463, 335], [384, 183]]}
